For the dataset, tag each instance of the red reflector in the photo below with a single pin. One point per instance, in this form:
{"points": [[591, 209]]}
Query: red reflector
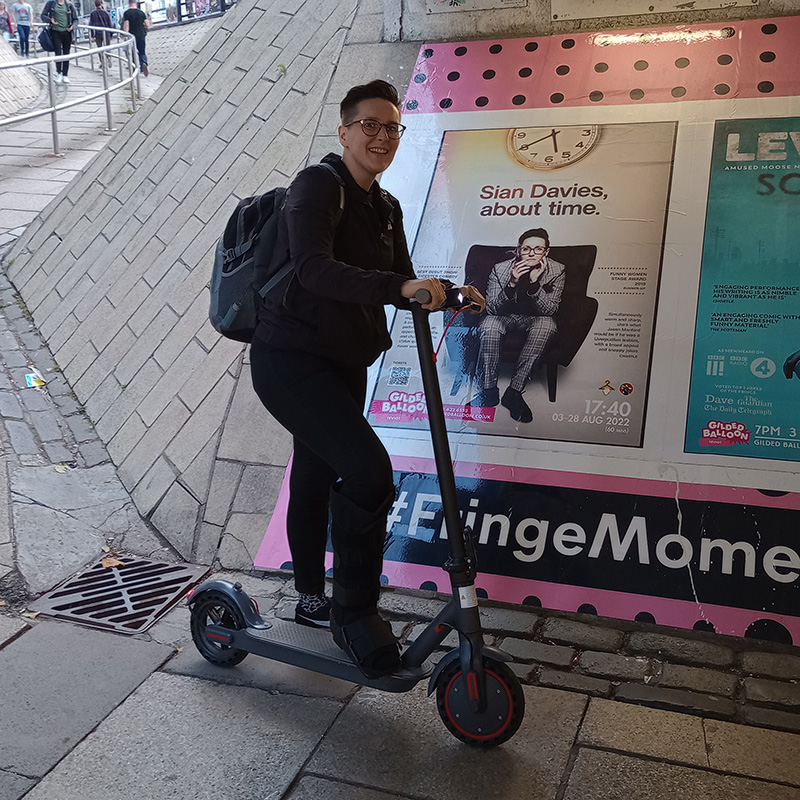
{"points": [[439, 628], [189, 593], [472, 685]]}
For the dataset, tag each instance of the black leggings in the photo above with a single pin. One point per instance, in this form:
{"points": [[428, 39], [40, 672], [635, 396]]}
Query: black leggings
{"points": [[320, 402], [62, 41]]}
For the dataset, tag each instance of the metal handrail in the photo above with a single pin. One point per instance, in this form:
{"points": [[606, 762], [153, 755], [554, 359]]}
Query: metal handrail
{"points": [[123, 50]]}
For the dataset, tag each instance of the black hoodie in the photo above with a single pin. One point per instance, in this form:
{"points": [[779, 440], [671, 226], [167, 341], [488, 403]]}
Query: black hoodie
{"points": [[343, 273]]}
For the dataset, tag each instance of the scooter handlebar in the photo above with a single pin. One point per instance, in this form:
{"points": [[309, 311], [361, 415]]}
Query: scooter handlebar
{"points": [[454, 299]]}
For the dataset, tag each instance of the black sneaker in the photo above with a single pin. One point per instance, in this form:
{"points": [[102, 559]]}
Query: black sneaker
{"points": [[313, 610], [517, 407]]}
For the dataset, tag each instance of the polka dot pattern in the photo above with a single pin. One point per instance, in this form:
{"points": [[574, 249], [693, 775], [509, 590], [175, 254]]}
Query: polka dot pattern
{"points": [[698, 62]]}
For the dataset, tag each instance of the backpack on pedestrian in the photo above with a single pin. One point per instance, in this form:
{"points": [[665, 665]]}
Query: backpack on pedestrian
{"points": [[246, 266], [46, 40]]}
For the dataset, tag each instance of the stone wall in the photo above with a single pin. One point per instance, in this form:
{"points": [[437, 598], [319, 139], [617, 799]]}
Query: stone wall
{"points": [[410, 20], [168, 46], [115, 270], [19, 87]]}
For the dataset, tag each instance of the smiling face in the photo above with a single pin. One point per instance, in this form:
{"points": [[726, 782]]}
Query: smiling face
{"points": [[367, 156]]}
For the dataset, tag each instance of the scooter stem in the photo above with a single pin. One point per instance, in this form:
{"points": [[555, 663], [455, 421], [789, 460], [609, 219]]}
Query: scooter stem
{"points": [[460, 570]]}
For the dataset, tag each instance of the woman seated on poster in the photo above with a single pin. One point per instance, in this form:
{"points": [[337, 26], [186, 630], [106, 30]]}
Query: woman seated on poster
{"points": [[523, 294]]}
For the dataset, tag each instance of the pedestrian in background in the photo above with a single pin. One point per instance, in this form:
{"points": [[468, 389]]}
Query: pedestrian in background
{"points": [[62, 17], [5, 23], [23, 14], [99, 18], [136, 23]]}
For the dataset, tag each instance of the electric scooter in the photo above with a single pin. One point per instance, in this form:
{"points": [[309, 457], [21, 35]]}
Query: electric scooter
{"points": [[479, 698]]}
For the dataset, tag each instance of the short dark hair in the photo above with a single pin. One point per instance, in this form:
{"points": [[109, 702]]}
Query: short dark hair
{"points": [[538, 233], [368, 91], [98, 3]]}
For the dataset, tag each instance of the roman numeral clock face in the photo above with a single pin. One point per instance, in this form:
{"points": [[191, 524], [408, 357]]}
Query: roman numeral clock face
{"points": [[552, 147]]}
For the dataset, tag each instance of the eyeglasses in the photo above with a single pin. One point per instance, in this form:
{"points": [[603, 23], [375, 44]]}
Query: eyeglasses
{"points": [[371, 127], [536, 250]]}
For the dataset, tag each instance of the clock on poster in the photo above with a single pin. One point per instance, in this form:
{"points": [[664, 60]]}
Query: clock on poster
{"points": [[547, 148]]}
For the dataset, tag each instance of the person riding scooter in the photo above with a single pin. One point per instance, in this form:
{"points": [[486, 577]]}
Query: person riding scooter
{"points": [[309, 360]]}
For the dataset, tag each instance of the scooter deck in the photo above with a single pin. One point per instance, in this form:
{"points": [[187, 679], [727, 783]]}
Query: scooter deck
{"points": [[314, 649]]}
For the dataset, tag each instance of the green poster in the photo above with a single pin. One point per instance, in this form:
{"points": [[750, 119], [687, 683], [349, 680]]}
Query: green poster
{"points": [[745, 385]]}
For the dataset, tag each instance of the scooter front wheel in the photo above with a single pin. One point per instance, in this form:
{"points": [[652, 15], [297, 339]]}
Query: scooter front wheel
{"points": [[214, 608], [505, 704]]}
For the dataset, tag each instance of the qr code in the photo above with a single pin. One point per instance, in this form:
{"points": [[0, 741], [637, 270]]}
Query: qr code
{"points": [[399, 376]]}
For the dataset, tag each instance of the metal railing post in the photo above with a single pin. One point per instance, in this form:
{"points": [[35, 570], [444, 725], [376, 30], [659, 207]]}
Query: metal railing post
{"points": [[130, 73], [53, 117], [119, 58], [104, 69]]}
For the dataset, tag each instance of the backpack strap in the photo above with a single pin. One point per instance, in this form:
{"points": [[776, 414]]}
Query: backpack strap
{"points": [[340, 181], [289, 266]]}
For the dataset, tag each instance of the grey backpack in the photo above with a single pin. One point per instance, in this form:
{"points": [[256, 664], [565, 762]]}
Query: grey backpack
{"points": [[246, 266]]}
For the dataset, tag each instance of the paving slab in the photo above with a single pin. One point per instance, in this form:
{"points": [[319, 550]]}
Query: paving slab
{"points": [[599, 775], [58, 681], [646, 731], [757, 752], [179, 737], [260, 673], [373, 740], [9, 628], [62, 520], [13, 787], [311, 788]]}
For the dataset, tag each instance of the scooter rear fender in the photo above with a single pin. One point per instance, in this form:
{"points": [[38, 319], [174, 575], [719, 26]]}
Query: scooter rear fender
{"points": [[492, 652], [237, 595]]}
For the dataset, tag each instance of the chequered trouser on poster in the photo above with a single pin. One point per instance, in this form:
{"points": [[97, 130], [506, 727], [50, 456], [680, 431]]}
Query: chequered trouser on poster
{"points": [[540, 330]]}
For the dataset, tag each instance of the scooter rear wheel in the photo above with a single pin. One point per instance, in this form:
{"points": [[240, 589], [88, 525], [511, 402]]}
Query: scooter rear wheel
{"points": [[214, 608], [505, 704]]}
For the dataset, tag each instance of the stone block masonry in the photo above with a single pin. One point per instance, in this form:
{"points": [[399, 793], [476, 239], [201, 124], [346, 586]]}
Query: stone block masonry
{"points": [[115, 274], [740, 680]]}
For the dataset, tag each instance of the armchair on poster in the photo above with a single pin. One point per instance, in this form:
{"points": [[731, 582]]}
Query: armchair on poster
{"points": [[574, 318]]}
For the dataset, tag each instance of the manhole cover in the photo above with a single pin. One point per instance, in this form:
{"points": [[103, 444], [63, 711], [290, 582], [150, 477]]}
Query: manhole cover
{"points": [[127, 598]]}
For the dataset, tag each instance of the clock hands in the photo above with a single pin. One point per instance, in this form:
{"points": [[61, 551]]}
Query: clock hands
{"points": [[551, 135]]}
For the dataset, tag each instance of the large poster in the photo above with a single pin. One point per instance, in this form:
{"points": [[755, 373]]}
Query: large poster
{"points": [[644, 186], [745, 386], [576, 340]]}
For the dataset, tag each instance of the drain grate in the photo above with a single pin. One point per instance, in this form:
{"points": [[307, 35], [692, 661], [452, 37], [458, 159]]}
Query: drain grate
{"points": [[127, 598]]}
